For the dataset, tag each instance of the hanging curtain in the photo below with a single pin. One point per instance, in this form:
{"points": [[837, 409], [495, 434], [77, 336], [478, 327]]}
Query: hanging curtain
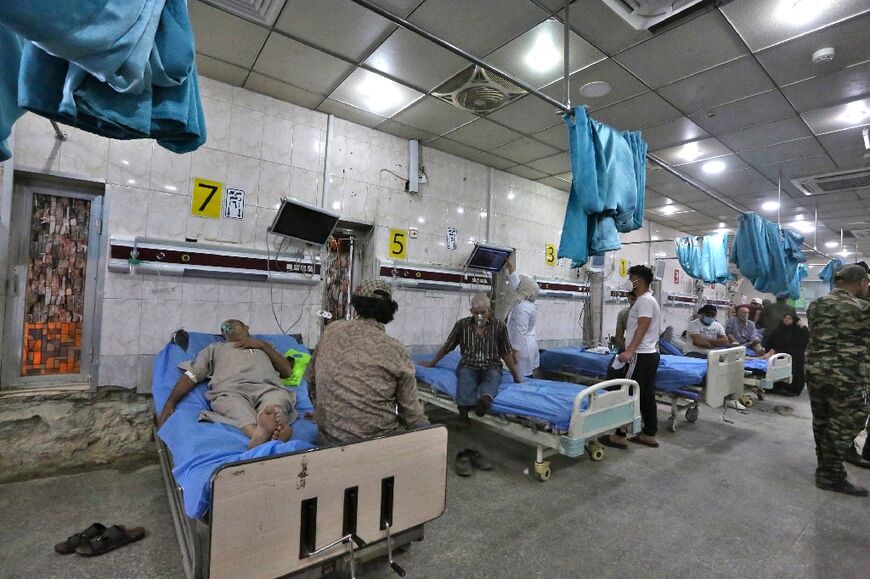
{"points": [[768, 257], [123, 69], [704, 258], [830, 270], [607, 189]]}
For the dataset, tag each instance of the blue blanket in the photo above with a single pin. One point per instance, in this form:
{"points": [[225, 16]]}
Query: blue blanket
{"points": [[543, 399], [769, 257], [199, 448], [674, 373], [704, 258]]}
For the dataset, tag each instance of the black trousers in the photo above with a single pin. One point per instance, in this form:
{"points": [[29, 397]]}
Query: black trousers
{"points": [[642, 369]]}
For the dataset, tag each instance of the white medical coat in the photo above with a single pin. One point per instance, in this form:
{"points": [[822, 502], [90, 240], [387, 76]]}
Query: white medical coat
{"points": [[521, 331]]}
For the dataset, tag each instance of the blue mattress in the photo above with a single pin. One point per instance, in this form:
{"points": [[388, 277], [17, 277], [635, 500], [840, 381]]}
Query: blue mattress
{"points": [[674, 373], [546, 400], [199, 448]]}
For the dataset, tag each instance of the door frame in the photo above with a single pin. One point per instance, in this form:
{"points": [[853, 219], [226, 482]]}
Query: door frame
{"points": [[24, 188]]}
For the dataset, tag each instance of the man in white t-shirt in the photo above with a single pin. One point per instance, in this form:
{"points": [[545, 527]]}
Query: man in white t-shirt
{"points": [[640, 360], [705, 333]]}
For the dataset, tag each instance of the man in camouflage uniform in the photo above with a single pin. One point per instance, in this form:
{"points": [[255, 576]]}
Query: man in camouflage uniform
{"points": [[852, 456], [837, 375]]}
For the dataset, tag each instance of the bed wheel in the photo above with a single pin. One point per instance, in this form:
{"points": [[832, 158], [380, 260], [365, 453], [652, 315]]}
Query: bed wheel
{"points": [[542, 470], [760, 394], [672, 424], [746, 400], [595, 450], [692, 414]]}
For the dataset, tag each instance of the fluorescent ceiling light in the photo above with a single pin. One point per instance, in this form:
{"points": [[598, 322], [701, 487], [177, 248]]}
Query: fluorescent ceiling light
{"points": [[483, 214], [460, 209], [855, 112], [379, 95], [690, 151], [866, 134], [770, 205], [801, 11], [668, 210], [544, 54], [713, 167], [722, 225], [845, 252], [803, 226], [832, 244]]}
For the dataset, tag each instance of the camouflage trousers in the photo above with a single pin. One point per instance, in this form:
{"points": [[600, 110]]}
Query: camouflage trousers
{"points": [[840, 406]]}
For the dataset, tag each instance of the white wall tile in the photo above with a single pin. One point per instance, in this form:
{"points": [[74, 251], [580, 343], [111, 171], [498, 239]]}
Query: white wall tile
{"points": [[200, 316], [197, 289], [159, 319], [215, 89], [119, 334], [35, 144], [161, 287], [130, 162], [170, 171], [127, 210], [84, 154], [122, 285], [246, 132], [277, 140], [274, 184], [305, 185], [208, 164], [217, 119], [167, 216], [118, 370], [308, 149]]}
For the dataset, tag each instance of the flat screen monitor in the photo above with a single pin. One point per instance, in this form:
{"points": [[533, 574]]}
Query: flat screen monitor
{"points": [[660, 270], [304, 222], [488, 257]]}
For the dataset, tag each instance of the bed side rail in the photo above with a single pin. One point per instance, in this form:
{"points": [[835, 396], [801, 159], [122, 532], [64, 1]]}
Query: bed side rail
{"points": [[779, 368], [612, 403]]}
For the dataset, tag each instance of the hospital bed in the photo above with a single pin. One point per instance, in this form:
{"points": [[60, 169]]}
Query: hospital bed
{"points": [[681, 381], [554, 417], [289, 509]]}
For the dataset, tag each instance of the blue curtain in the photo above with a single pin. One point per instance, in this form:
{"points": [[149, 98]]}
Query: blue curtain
{"points": [[607, 189], [768, 257], [830, 270], [704, 258], [123, 69]]}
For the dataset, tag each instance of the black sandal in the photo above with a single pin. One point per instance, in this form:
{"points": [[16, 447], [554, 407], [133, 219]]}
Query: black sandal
{"points": [[114, 537], [68, 547]]}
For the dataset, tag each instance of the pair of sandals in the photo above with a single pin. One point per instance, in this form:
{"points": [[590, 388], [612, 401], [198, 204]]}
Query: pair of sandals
{"points": [[99, 539]]}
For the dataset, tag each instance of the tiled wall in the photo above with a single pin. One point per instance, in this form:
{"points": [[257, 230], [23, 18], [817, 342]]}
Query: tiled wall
{"points": [[271, 149]]}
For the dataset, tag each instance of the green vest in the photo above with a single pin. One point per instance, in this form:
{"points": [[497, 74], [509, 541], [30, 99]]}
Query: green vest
{"points": [[300, 363]]}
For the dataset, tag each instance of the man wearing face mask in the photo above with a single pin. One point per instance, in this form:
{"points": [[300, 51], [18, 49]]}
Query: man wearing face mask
{"points": [[705, 333]]}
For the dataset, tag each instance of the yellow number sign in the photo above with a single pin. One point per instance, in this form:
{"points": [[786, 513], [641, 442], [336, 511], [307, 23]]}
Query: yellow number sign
{"points": [[623, 267], [398, 244], [550, 255], [207, 199]]}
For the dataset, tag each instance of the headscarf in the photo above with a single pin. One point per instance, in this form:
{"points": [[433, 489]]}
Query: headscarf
{"points": [[527, 289]]}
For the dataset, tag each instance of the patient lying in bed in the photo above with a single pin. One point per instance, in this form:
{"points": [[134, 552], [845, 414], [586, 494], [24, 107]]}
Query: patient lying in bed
{"points": [[245, 388]]}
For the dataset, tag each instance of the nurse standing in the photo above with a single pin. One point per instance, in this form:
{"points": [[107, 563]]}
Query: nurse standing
{"points": [[521, 318]]}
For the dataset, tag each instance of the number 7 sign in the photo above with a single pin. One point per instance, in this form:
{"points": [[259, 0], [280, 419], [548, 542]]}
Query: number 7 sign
{"points": [[207, 199]]}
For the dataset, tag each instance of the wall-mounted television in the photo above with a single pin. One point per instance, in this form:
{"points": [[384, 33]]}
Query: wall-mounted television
{"points": [[488, 257], [304, 222]]}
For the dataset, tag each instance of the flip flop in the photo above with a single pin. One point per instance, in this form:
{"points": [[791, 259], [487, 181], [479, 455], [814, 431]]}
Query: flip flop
{"points": [[114, 537], [68, 547], [606, 441], [639, 440]]}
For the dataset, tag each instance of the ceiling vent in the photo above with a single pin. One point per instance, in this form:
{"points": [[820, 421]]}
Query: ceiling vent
{"points": [[644, 14], [860, 233], [260, 11], [478, 91], [833, 182]]}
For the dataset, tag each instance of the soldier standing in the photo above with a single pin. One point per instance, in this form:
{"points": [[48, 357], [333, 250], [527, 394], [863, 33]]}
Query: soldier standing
{"points": [[837, 375]]}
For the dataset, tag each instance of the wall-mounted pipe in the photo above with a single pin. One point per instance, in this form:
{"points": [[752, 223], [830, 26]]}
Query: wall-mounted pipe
{"points": [[58, 133]]}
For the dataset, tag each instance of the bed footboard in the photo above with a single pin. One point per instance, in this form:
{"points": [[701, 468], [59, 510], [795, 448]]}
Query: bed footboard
{"points": [[724, 375], [611, 404]]}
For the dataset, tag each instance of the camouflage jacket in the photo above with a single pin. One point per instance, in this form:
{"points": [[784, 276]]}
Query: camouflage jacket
{"points": [[839, 333]]}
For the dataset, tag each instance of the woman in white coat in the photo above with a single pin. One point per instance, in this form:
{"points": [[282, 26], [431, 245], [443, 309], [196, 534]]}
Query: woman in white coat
{"points": [[521, 318]]}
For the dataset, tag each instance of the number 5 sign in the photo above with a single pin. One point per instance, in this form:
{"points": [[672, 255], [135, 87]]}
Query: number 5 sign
{"points": [[398, 248]]}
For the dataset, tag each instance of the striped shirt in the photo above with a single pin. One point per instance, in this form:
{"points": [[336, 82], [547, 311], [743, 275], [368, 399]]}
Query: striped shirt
{"points": [[480, 351]]}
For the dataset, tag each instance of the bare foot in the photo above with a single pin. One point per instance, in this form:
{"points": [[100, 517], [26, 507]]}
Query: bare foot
{"points": [[266, 424], [283, 431]]}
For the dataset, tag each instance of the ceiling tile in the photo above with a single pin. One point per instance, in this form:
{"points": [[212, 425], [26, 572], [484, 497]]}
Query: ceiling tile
{"points": [[601, 26], [672, 133], [554, 165], [850, 158], [554, 136], [478, 27], [556, 182], [696, 169], [525, 150], [728, 82], [411, 58], [404, 131], [672, 187], [526, 172], [763, 23], [831, 89], [527, 115], [693, 151], [491, 160], [219, 70], [300, 65], [350, 113], [280, 90], [484, 135], [433, 115], [806, 147], [636, 113], [454, 148], [767, 134], [263, 12], [837, 118], [212, 28], [372, 92], [846, 139], [667, 57], [732, 117], [791, 62], [623, 85], [799, 167], [537, 56]]}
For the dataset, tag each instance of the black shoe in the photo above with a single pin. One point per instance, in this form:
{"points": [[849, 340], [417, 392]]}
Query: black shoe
{"points": [[477, 459], [852, 457], [462, 465], [843, 487], [482, 406]]}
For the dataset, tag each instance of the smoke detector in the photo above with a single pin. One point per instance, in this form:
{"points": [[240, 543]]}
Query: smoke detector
{"points": [[823, 55], [478, 91]]}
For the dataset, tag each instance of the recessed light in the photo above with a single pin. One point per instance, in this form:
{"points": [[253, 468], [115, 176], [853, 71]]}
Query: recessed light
{"points": [[380, 95], [832, 244], [596, 88], [770, 205], [713, 167], [722, 224], [460, 209], [801, 11], [668, 210], [690, 151], [855, 112], [803, 226], [544, 54]]}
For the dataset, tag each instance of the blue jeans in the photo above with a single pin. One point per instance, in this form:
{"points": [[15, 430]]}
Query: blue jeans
{"points": [[473, 384]]}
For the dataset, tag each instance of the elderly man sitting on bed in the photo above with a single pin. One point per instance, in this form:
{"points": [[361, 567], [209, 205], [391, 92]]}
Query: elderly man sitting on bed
{"points": [[245, 388]]}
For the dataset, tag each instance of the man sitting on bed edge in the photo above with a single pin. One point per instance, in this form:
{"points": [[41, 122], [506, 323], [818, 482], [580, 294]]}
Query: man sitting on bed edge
{"points": [[245, 388]]}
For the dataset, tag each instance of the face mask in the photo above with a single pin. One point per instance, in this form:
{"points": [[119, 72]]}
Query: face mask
{"points": [[707, 320], [480, 320], [629, 285]]}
